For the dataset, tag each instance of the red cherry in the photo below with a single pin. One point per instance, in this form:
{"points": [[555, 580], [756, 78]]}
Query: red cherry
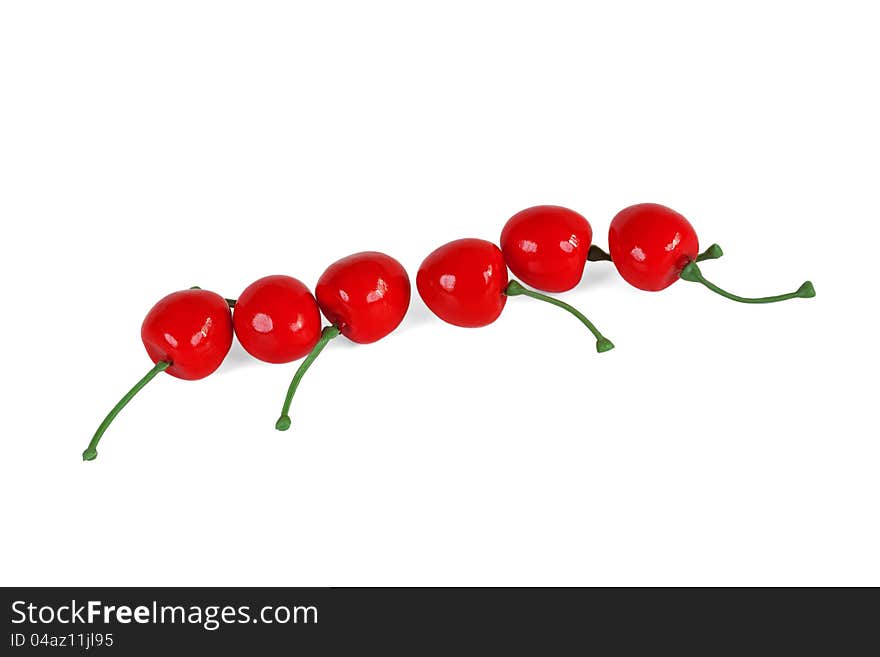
{"points": [[653, 246], [463, 282], [187, 334], [364, 296], [191, 329], [650, 244], [547, 246], [276, 319]]}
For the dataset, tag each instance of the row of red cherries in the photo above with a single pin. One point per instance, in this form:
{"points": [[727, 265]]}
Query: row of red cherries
{"points": [[366, 295]]}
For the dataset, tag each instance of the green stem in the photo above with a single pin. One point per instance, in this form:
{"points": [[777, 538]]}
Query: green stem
{"points": [[596, 254], [712, 253], [692, 273], [329, 332], [515, 288], [91, 451]]}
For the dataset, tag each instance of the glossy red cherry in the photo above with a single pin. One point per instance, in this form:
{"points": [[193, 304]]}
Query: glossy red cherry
{"points": [[192, 330], [465, 283], [547, 247], [276, 319], [365, 296], [650, 244], [653, 246], [186, 334]]}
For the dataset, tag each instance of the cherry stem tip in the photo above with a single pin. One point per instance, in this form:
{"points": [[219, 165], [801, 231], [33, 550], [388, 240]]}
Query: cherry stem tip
{"points": [[712, 253], [603, 344], [806, 290]]}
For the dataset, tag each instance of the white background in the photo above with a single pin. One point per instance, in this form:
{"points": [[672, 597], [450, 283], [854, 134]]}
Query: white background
{"points": [[148, 147]]}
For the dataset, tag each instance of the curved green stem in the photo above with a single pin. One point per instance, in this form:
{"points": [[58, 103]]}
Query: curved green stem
{"points": [[515, 288], [329, 332], [91, 451], [596, 254], [712, 253], [692, 273]]}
